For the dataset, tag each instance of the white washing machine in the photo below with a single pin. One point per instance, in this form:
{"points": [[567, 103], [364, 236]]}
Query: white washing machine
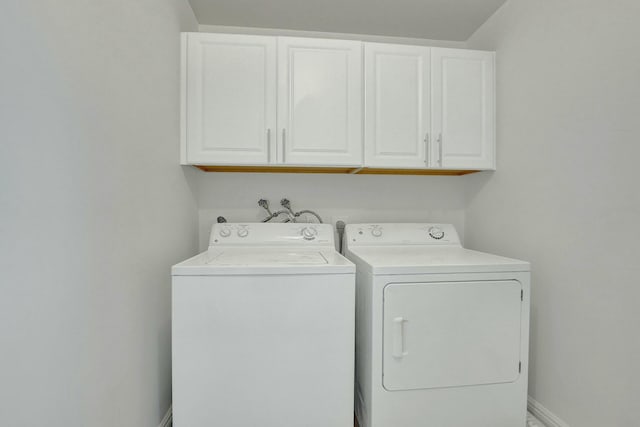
{"points": [[441, 331], [263, 330]]}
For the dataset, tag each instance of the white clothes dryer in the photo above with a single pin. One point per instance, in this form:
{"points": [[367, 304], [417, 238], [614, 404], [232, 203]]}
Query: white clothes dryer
{"points": [[442, 331], [263, 329]]}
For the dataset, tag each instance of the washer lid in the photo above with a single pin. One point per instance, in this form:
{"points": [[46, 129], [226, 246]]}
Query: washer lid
{"points": [[265, 260], [430, 259]]}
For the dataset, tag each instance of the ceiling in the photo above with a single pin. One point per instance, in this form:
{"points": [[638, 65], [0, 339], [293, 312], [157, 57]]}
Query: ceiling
{"points": [[452, 20]]}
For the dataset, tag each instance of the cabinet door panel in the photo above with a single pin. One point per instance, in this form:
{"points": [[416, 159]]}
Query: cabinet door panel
{"points": [[397, 101], [320, 102], [463, 108], [231, 98]]}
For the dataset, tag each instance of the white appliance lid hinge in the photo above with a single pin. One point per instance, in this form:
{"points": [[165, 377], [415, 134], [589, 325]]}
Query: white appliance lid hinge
{"points": [[519, 367], [522, 295]]}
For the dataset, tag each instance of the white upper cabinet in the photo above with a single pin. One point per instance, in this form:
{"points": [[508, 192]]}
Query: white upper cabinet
{"points": [[285, 101], [319, 102], [229, 99], [397, 105], [463, 106], [429, 108]]}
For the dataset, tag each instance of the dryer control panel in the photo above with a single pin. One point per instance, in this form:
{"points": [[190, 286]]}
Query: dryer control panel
{"points": [[401, 234]]}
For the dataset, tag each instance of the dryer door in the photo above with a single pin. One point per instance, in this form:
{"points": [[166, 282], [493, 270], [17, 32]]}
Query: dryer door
{"points": [[449, 334]]}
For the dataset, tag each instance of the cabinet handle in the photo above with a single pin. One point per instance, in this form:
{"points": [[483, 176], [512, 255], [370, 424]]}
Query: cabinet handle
{"points": [[269, 145], [284, 141], [427, 146], [440, 149]]}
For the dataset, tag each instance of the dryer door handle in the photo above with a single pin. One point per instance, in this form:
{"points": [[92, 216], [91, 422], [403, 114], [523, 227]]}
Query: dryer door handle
{"points": [[398, 337]]}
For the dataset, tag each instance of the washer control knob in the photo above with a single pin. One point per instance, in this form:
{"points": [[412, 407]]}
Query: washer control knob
{"points": [[376, 231], [225, 232], [436, 232], [309, 233], [243, 232]]}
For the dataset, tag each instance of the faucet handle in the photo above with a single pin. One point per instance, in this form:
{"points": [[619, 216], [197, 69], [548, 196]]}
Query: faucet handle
{"points": [[285, 203]]}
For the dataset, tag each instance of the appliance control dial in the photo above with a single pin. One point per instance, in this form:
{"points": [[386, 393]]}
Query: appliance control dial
{"points": [[436, 232], [243, 232], [309, 233], [225, 232], [376, 231]]}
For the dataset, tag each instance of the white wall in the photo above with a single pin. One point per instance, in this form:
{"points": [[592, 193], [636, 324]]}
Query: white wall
{"points": [[565, 196], [94, 209], [351, 198]]}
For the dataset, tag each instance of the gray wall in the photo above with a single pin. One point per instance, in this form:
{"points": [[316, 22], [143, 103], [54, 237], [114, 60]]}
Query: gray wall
{"points": [[565, 196], [94, 209]]}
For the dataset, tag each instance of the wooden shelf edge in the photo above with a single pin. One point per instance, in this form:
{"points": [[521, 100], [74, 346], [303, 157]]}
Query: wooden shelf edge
{"points": [[433, 172], [336, 170], [275, 169]]}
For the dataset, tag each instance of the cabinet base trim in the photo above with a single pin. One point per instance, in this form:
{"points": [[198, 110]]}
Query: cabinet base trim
{"points": [[447, 172], [342, 170]]}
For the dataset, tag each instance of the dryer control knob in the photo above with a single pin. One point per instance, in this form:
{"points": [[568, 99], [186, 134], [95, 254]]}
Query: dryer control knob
{"points": [[225, 232], [376, 232], [243, 232], [436, 232], [309, 233]]}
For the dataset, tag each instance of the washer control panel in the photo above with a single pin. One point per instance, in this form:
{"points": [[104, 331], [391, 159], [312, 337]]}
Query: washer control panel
{"points": [[401, 234], [271, 234]]}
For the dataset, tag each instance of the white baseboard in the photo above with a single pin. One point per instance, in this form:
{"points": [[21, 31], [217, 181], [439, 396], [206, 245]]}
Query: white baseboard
{"points": [[544, 415], [168, 418]]}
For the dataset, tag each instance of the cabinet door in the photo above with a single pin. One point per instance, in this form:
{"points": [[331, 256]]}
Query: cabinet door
{"points": [[397, 101], [230, 99], [463, 84], [319, 101]]}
